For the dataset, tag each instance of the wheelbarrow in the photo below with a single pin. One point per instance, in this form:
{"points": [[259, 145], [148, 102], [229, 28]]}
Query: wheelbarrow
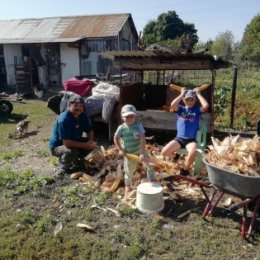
{"points": [[247, 188]]}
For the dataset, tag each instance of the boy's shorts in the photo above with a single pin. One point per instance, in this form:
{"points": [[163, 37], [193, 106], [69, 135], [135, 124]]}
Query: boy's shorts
{"points": [[183, 142]]}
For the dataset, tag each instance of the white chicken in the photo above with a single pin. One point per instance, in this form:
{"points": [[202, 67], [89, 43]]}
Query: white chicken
{"points": [[38, 92], [18, 97], [22, 127]]}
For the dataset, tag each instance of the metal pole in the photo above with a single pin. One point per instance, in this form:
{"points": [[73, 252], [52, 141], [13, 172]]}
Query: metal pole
{"points": [[233, 96]]}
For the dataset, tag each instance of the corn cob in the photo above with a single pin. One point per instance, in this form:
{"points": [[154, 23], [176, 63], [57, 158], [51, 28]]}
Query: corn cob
{"points": [[176, 87], [203, 87], [116, 184], [132, 156]]}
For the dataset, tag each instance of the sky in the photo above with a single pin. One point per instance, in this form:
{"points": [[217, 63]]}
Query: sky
{"points": [[210, 17]]}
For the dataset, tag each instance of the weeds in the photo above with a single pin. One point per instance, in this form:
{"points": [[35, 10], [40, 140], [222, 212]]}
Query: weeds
{"points": [[42, 153], [25, 182], [129, 212], [101, 198], [11, 155], [54, 160], [44, 224], [72, 196], [247, 99], [28, 218]]}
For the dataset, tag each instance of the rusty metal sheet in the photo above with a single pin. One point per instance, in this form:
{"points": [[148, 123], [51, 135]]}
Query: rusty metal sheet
{"points": [[61, 29], [163, 60]]}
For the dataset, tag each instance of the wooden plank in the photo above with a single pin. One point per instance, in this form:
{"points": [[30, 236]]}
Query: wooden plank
{"points": [[163, 64], [163, 120]]}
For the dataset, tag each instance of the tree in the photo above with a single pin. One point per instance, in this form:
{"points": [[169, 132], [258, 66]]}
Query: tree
{"points": [[223, 45], [167, 27], [249, 49], [203, 46]]}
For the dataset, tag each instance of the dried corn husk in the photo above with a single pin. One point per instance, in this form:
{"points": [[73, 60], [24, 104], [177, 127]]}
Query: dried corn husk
{"points": [[110, 173], [236, 154], [76, 175], [87, 179], [57, 229], [86, 227], [95, 157]]}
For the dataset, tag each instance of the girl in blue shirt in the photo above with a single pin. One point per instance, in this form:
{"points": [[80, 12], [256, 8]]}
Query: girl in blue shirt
{"points": [[187, 125]]}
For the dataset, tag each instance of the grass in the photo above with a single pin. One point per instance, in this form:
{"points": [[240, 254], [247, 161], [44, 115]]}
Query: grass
{"points": [[42, 153], [28, 234], [25, 182], [38, 113], [11, 155]]}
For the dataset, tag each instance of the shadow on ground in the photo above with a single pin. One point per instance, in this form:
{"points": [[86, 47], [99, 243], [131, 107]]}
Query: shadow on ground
{"points": [[12, 118]]}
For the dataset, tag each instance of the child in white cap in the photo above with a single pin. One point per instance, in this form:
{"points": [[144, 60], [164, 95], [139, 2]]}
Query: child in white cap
{"points": [[132, 135], [187, 125]]}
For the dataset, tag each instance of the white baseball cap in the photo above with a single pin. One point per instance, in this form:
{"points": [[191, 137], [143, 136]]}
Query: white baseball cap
{"points": [[128, 110], [190, 94]]}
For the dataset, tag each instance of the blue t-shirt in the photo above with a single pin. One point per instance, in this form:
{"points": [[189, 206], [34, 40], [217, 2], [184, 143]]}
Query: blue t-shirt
{"points": [[67, 127], [130, 135], [188, 122]]}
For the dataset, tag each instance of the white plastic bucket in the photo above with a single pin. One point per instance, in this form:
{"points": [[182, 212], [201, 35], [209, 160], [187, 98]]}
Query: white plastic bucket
{"points": [[149, 197]]}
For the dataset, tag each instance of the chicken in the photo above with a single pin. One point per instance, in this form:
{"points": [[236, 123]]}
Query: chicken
{"points": [[22, 127], [38, 92], [18, 97]]}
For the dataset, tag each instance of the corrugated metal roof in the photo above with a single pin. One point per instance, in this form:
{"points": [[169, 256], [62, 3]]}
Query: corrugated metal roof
{"points": [[155, 53], [61, 29], [164, 60]]}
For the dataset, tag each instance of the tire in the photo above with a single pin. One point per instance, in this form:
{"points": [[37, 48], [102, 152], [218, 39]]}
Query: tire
{"points": [[6, 107]]}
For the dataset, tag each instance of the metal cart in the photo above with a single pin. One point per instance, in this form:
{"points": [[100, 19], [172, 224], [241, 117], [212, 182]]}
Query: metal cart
{"points": [[245, 187]]}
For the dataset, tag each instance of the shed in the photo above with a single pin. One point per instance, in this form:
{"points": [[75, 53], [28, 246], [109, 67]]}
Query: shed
{"points": [[151, 94], [47, 51]]}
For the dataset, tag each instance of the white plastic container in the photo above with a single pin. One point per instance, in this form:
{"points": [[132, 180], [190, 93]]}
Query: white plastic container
{"points": [[149, 197]]}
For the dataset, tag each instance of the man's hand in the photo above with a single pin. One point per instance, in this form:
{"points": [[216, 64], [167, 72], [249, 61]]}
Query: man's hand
{"points": [[90, 145]]}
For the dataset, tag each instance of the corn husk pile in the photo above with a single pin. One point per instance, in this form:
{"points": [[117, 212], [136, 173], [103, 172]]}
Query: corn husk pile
{"points": [[110, 167], [109, 174], [236, 154]]}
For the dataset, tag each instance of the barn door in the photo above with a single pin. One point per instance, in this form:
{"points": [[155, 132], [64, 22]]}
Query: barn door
{"points": [[54, 65]]}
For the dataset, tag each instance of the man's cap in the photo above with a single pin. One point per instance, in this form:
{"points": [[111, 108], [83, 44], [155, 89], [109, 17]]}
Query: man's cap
{"points": [[128, 110], [190, 94], [76, 99]]}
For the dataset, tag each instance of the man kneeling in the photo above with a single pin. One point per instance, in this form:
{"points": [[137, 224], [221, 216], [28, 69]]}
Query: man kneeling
{"points": [[67, 141]]}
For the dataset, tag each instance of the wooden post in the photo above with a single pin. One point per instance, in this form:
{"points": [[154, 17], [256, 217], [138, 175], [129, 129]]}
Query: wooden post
{"points": [[233, 96], [212, 99]]}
